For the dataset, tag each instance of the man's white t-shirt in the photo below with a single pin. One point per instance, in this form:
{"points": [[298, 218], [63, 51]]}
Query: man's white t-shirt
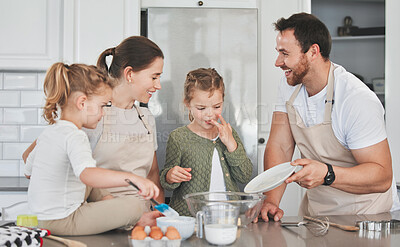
{"points": [[357, 114], [62, 152]]}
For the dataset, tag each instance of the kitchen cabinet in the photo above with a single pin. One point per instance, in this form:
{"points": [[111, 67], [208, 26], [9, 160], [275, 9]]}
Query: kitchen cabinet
{"points": [[364, 55], [203, 3], [91, 26], [31, 34]]}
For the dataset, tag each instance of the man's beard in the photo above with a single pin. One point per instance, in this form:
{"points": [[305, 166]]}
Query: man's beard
{"points": [[299, 72]]}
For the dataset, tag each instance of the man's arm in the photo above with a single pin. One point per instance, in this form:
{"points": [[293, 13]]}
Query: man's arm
{"points": [[279, 149], [373, 174]]}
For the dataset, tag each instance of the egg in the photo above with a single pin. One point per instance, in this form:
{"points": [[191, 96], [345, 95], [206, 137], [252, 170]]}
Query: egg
{"points": [[172, 233], [138, 234], [138, 228], [156, 233]]}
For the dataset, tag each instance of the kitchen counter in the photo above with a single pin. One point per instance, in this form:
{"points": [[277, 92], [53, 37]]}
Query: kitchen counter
{"points": [[272, 234], [14, 184]]}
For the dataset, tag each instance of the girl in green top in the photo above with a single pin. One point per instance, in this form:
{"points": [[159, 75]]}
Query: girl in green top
{"points": [[205, 155]]}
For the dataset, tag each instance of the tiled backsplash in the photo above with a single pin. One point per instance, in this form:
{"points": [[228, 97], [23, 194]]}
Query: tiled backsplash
{"points": [[21, 121]]}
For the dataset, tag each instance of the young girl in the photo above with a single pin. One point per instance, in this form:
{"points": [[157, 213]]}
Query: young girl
{"points": [[61, 165], [205, 155]]}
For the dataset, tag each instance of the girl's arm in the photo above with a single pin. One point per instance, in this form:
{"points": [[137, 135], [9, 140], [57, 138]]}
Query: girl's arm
{"points": [[28, 151], [173, 158], [155, 177], [97, 177], [240, 165]]}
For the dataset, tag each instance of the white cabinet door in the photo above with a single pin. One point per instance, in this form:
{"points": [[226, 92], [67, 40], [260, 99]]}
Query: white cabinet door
{"points": [[202, 3], [91, 26], [30, 33], [392, 86]]}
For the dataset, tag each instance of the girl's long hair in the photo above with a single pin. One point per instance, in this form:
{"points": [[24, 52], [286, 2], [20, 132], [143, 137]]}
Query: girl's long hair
{"points": [[62, 80]]}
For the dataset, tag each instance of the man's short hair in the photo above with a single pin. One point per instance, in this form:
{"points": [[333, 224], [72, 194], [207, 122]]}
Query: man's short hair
{"points": [[308, 30]]}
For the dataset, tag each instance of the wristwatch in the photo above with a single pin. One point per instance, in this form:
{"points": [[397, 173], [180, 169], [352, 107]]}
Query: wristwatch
{"points": [[330, 176]]}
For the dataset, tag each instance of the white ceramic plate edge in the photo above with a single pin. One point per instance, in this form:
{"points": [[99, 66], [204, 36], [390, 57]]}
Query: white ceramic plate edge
{"points": [[260, 177]]}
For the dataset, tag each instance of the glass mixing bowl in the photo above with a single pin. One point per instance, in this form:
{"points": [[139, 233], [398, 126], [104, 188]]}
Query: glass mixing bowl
{"points": [[249, 204]]}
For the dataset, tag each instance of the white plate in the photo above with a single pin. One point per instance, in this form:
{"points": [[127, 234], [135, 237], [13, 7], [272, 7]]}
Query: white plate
{"points": [[270, 179]]}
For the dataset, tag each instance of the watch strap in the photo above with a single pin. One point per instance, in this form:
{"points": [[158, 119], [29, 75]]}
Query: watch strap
{"points": [[330, 175]]}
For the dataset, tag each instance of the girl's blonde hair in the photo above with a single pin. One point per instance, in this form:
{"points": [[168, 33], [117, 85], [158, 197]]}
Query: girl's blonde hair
{"points": [[202, 79], [62, 80]]}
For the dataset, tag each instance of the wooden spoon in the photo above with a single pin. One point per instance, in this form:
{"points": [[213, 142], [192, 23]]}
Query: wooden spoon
{"points": [[343, 227], [67, 242]]}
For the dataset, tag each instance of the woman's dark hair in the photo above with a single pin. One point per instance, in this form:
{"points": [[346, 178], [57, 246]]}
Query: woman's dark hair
{"points": [[308, 30], [136, 51]]}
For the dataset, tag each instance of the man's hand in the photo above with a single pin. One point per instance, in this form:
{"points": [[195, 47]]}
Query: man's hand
{"points": [[312, 174], [149, 218], [270, 210], [178, 174]]}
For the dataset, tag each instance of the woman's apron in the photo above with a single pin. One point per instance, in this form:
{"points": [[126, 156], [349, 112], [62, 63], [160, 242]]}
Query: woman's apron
{"points": [[319, 143], [121, 148]]}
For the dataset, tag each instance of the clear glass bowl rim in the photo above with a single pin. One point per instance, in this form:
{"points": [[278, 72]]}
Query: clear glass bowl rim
{"points": [[257, 196]]}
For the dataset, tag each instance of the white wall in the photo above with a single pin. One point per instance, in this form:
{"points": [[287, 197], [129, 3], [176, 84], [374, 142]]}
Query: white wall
{"points": [[392, 87]]}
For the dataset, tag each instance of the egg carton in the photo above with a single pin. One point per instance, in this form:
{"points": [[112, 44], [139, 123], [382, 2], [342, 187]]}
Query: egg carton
{"points": [[149, 242]]}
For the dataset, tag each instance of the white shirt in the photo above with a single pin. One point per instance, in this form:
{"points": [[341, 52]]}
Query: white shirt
{"points": [[217, 181], [62, 152], [357, 114]]}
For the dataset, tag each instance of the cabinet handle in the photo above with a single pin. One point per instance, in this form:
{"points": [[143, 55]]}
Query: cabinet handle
{"points": [[200, 3], [261, 140]]}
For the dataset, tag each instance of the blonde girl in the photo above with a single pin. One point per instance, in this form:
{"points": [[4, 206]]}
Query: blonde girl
{"points": [[125, 140], [205, 155], [61, 165]]}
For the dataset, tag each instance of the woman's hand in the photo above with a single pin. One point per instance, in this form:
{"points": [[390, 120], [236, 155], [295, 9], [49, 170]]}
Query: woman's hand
{"points": [[149, 218], [178, 174], [225, 134]]}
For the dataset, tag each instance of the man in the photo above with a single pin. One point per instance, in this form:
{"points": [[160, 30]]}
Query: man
{"points": [[337, 124]]}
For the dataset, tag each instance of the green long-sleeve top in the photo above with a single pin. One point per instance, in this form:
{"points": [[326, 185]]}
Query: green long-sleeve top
{"points": [[189, 150]]}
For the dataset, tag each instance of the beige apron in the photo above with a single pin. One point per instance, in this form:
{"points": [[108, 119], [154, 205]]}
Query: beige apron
{"points": [[319, 143], [120, 148]]}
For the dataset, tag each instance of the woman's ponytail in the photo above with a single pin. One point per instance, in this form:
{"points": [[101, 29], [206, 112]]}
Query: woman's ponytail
{"points": [[102, 62]]}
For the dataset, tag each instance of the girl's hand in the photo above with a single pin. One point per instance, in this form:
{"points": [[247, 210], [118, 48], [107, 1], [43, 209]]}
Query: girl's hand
{"points": [[148, 189], [225, 134], [178, 174]]}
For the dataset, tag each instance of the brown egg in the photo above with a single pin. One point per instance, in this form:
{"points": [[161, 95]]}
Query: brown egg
{"points": [[138, 228], [156, 233], [138, 234], [172, 233]]}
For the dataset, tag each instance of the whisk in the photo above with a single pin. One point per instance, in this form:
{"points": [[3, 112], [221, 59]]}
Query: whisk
{"points": [[326, 221], [317, 228]]}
